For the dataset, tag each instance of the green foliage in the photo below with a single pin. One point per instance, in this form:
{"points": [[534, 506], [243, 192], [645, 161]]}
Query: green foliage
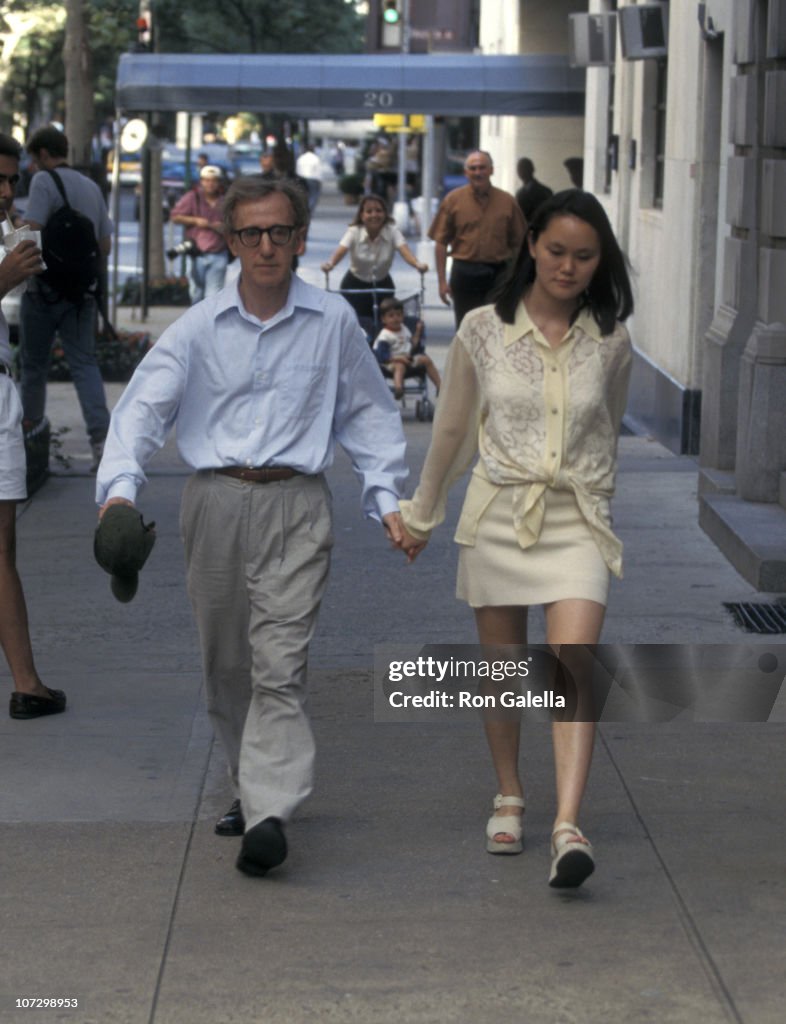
{"points": [[351, 185], [111, 30], [197, 26], [259, 26], [36, 66]]}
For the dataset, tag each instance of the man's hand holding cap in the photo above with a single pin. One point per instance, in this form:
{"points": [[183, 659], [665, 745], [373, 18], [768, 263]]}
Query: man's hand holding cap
{"points": [[121, 546]]}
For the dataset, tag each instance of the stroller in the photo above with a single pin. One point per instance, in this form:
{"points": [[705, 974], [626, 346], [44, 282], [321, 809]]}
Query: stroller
{"points": [[415, 379]]}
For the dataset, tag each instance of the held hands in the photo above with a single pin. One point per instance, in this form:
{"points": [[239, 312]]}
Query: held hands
{"points": [[400, 537]]}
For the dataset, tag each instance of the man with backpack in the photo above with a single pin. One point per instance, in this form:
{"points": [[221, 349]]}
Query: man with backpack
{"points": [[65, 205]]}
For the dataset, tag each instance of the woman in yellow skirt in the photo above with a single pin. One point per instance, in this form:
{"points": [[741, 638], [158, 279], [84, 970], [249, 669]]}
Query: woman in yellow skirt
{"points": [[536, 386]]}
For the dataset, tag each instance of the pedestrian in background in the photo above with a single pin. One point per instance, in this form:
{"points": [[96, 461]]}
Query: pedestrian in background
{"points": [[532, 192], [45, 311], [372, 240], [201, 213], [30, 698], [482, 228], [261, 381], [574, 165], [537, 384], [309, 167]]}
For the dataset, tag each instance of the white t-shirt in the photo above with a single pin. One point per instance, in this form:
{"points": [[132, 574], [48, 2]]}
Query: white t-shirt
{"points": [[400, 341], [309, 165]]}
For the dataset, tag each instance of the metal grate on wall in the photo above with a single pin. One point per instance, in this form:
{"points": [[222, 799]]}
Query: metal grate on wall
{"points": [[759, 618]]}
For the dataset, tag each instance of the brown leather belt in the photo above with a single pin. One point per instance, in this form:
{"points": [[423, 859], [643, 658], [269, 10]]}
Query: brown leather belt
{"points": [[259, 474]]}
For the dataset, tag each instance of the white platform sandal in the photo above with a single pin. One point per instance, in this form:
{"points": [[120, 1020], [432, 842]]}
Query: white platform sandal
{"points": [[571, 857], [505, 824]]}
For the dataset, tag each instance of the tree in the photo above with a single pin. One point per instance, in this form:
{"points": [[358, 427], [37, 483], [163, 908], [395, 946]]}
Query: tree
{"points": [[259, 26], [32, 77], [79, 107], [34, 88]]}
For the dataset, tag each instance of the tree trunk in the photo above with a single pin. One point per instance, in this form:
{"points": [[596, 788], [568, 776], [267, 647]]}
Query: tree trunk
{"points": [[79, 109]]}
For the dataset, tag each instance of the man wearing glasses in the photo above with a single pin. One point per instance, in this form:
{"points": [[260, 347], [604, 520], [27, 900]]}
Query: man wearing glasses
{"points": [[261, 380]]}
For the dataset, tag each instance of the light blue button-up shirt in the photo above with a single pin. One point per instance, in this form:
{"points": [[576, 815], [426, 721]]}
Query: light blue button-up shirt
{"points": [[243, 392]]}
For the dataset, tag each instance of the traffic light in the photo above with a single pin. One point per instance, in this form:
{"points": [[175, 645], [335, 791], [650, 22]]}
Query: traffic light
{"points": [[391, 13]]}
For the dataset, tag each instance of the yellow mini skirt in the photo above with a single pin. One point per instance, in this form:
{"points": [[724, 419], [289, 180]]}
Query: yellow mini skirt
{"points": [[564, 562]]}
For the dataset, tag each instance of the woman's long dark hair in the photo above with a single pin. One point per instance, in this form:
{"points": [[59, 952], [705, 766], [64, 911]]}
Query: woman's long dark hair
{"points": [[609, 296]]}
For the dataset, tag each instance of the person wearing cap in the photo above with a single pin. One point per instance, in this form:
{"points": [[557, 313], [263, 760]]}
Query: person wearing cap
{"points": [[30, 698], [260, 382], [200, 211]]}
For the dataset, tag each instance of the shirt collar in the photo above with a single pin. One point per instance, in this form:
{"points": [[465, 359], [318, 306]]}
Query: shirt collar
{"points": [[301, 296], [523, 325]]}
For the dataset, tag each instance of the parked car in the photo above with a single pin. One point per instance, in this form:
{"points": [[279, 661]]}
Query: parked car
{"points": [[244, 157], [173, 174], [130, 167]]}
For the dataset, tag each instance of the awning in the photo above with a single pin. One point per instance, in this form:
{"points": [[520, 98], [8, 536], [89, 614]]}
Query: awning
{"points": [[357, 85]]}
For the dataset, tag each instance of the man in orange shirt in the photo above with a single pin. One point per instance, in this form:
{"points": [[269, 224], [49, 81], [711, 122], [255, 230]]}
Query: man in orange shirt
{"points": [[482, 228]]}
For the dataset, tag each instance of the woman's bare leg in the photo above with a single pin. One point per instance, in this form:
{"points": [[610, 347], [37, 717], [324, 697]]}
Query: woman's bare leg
{"points": [[573, 621], [14, 631], [504, 625]]}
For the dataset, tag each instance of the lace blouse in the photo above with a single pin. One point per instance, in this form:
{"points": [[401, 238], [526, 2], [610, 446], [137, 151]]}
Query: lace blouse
{"points": [[538, 416]]}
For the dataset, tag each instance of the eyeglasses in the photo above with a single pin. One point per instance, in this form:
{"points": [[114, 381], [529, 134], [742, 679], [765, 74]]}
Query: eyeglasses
{"points": [[12, 179], [279, 234]]}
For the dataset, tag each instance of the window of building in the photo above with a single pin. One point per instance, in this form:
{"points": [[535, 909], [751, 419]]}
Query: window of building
{"points": [[612, 140], [661, 75]]}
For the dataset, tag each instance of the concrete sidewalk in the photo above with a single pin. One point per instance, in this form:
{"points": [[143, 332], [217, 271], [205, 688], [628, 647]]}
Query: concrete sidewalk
{"points": [[117, 893]]}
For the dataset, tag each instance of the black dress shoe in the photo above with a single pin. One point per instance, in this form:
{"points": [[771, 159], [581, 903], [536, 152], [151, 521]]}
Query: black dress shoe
{"points": [[233, 823], [28, 705], [264, 847]]}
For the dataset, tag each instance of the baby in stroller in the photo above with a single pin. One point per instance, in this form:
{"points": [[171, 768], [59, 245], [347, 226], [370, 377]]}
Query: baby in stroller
{"points": [[398, 350]]}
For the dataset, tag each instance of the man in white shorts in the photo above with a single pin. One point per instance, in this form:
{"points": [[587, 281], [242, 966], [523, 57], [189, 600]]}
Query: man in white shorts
{"points": [[30, 699]]}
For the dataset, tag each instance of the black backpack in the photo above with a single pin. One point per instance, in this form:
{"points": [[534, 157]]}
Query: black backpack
{"points": [[70, 249]]}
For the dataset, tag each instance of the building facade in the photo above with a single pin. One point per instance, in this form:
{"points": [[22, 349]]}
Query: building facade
{"points": [[529, 27], [685, 144]]}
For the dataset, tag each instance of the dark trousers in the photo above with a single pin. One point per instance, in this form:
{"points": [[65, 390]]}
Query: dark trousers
{"points": [[472, 284], [361, 294]]}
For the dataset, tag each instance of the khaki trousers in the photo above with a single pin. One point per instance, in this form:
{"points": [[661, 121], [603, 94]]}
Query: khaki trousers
{"points": [[257, 559]]}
